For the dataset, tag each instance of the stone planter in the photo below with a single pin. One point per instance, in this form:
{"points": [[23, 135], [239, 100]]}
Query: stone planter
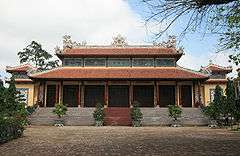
{"points": [[213, 124], [59, 122], [98, 123], [176, 123], [137, 123]]}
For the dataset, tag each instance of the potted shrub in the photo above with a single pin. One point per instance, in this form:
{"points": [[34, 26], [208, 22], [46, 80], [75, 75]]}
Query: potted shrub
{"points": [[99, 114], [60, 110], [136, 114], [175, 112]]}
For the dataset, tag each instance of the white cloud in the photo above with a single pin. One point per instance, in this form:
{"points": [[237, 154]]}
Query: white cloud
{"points": [[47, 21], [95, 21]]}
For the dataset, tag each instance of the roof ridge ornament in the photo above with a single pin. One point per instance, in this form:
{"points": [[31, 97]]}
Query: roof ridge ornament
{"points": [[69, 44], [119, 41], [170, 43]]}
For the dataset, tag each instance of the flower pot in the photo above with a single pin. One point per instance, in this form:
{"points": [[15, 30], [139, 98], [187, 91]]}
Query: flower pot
{"points": [[176, 123], [213, 124], [59, 122], [137, 123], [99, 123]]}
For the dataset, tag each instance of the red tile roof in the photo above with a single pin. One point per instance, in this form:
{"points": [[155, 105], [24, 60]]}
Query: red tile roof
{"points": [[121, 52], [217, 68], [216, 81], [119, 73], [21, 68]]}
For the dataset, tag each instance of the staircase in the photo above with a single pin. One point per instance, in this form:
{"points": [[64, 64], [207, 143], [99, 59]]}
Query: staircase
{"points": [[75, 116], [117, 116]]}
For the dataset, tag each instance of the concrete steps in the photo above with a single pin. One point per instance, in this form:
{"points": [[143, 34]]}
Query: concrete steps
{"points": [[75, 116]]}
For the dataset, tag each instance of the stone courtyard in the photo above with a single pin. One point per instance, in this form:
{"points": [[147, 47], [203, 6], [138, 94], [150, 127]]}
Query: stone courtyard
{"points": [[84, 140]]}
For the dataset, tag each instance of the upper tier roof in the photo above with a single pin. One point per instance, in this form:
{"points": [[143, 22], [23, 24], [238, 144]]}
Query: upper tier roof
{"points": [[216, 68], [119, 73], [140, 51], [20, 68]]}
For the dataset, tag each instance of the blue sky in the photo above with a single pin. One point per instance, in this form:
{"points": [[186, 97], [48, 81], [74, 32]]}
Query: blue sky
{"points": [[93, 21]]}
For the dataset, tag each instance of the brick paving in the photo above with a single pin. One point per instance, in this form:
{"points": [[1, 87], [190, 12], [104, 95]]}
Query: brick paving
{"points": [[73, 140]]}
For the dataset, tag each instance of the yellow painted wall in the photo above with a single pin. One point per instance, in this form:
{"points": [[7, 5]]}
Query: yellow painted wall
{"points": [[207, 88], [30, 92]]}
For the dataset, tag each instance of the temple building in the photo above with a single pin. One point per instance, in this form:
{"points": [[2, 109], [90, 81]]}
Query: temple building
{"points": [[117, 75]]}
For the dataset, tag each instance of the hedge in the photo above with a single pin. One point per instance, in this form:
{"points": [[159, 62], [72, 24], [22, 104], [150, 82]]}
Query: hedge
{"points": [[10, 128]]}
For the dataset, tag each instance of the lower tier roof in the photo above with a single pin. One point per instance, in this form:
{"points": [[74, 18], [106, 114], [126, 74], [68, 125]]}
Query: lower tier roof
{"points": [[119, 73]]}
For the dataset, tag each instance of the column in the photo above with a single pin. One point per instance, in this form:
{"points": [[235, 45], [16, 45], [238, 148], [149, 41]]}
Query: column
{"points": [[194, 94], [45, 94], [106, 94], [131, 94], [57, 94], [82, 95], [79, 94], [177, 96], [158, 98], [61, 92], [155, 95]]}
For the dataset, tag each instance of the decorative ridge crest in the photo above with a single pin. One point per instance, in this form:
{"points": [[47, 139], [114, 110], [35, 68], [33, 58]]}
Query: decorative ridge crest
{"points": [[119, 41], [170, 43]]}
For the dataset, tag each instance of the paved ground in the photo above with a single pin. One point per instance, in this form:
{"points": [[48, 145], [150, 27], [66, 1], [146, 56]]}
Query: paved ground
{"points": [[123, 141]]}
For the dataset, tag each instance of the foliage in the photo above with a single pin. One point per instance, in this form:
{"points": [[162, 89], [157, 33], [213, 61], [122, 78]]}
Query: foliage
{"points": [[37, 56], [13, 115], [174, 112], [31, 109], [223, 107], [60, 110], [10, 128], [219, 17], [135, 112], [98, 113]]}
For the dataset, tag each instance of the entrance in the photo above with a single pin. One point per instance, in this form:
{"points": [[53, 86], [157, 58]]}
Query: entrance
{"points": [[144, 95], [118, 96], [92, 95], [166, 95], [51, 95], [71, 95], [186, 96]]}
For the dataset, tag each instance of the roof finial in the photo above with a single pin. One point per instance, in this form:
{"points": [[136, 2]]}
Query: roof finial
{"points": [[210, 61], [119, 41], [68, 43]]}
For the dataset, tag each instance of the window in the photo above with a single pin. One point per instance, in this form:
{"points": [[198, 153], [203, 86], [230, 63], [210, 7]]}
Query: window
{"points": [[20, 76], [211, 92], [23, 93], [161, 62], [143, 62], [218, 76], [91, 62], [72, 62], [119, 62]]}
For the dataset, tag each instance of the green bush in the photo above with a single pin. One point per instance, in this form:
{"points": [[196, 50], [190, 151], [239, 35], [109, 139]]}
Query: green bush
{"points": [[98, 113], [13, 115], [135, 112], [60, 110], [10, 128], [174, 112]]}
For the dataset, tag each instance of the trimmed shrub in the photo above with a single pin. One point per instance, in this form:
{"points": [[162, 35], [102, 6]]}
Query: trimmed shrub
{"points": [[136, 114], [99, 114], [60, 110], [174, 112]]}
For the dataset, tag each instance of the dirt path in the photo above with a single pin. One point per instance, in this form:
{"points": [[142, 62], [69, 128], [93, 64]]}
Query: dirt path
{"points": [[40, 140]]}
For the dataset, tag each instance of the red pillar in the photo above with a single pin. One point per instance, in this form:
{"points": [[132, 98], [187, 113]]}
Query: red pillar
{"points": [[106, 94]]}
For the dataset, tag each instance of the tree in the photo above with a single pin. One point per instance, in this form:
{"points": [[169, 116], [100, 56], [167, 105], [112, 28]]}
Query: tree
{"points": [[35, 55], [220, 17]]}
